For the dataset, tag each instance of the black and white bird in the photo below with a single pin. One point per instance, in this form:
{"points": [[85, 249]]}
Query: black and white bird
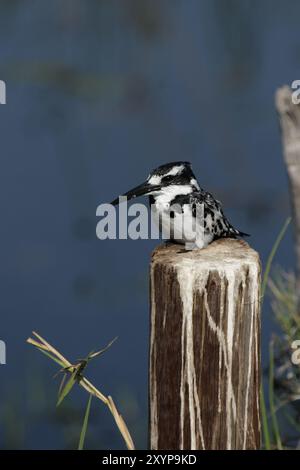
{"points": [[175, 196]]}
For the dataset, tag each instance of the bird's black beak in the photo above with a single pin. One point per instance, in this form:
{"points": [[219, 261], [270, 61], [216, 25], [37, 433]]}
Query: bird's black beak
{"points": [[141, 190]]}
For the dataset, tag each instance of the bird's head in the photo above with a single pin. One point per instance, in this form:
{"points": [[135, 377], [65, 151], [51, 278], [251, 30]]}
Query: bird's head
{"points": [[176, 177]]}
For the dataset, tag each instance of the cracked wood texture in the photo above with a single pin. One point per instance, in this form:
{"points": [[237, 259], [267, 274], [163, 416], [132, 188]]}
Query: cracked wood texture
{"points": [[205, 347]]}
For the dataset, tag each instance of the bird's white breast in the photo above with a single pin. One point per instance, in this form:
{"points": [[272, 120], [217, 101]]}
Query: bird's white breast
{"points": [[183, 227]]}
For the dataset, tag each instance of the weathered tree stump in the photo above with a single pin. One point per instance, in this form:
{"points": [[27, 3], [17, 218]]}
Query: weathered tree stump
{"points": [[205, 347], [289, 118]]}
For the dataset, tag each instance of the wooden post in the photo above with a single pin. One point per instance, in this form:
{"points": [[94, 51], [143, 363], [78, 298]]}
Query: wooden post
{"points": [[205, 347], [289, 117]]}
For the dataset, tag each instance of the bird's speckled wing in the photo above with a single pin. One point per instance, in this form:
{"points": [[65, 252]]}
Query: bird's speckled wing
{"points": [[214, 219]]}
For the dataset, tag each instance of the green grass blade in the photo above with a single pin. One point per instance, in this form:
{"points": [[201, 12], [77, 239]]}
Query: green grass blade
{"points": [[85, 424], [93, 354], [271, 398], [67, 388], [52, 357], [265, 425], [272, 254]]}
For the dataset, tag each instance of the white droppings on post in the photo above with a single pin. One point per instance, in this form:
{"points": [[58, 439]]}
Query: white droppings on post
{"points": [[153, 398], [187, 276], [220, 349], [165, 318], [248, 381], [190, 279], [238, 276], [255, 305]]}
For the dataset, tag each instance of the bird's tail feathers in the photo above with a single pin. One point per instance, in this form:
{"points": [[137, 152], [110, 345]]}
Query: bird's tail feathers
{"points": [[238, 233]]}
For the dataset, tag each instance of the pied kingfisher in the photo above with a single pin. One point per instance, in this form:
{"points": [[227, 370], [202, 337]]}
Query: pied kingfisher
{"points": [[175, 196]]}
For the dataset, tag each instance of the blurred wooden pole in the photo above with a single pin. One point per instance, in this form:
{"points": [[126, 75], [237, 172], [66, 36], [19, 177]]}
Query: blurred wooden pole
{"points": [[289, 117], [205, 347]]}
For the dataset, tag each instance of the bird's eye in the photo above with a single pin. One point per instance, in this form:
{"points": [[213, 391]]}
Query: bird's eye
{"points": [[168, 178]]}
